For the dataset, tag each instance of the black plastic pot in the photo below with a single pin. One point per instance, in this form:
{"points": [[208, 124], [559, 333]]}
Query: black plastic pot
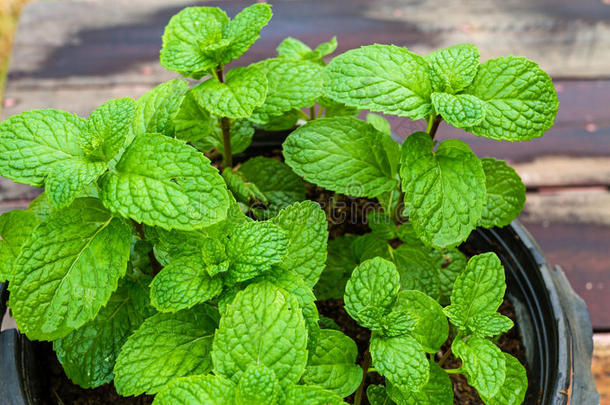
{"points": [[552, 320]]}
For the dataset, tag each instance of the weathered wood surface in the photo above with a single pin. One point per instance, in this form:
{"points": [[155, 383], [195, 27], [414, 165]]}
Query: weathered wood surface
{"points": [[74, 55], [601, 366]]}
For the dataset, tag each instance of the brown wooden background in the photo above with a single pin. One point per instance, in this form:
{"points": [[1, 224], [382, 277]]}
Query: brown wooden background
{"points": [[74, 55]]}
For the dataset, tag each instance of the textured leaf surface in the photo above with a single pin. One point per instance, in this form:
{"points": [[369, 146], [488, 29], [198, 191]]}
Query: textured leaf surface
{"points": [[377, 395], [478, 289], [431, 328], [438, 390], [165, 347], [292, 84], [450, 262], [292, 48], [88, 354], [452, 69], [243, 90], [381, 78], [263, 326], [489, 324], [244, 29], [156, 109], [68, 178], [193, 41], [514, 388], [381, 224], [108, 129], [16, 227], [257, 385], [31, 144], [374, 283], [307, 229], [332, 365], [253, 248], [345, 155], [444, 191], [193, 123], [379, 123], [164, 182], [183, 284], [483, 362], [401, 360], [505, 194], [461, 110], [277, 181], [69, 270], [521, 100], [340, 262], [199, 389], [417, 270], [310, 395]]}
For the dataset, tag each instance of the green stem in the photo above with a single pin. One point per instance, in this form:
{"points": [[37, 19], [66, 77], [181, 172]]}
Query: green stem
{"points": [[453, 370], [444, 358], [365, 367], [312, 112], [433, 122], [225, 125]]}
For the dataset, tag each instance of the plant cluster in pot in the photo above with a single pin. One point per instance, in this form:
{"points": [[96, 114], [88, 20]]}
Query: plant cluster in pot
{"points": [[153, 263]]}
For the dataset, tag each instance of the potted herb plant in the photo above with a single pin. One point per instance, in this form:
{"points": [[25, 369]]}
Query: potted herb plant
{"points": [[163, 260]]}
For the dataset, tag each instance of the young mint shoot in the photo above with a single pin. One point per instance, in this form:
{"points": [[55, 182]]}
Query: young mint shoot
{"points": [[159, 260]]}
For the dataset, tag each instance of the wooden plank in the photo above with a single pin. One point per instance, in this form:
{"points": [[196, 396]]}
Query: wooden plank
{"points": [[601, 365]]}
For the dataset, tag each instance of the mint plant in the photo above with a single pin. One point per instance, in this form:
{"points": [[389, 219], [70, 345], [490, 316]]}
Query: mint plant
{"points": [[155, 260]]}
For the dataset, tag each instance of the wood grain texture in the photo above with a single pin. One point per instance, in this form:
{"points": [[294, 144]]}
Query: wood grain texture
{"points": [[601, 365], [74, 55]]}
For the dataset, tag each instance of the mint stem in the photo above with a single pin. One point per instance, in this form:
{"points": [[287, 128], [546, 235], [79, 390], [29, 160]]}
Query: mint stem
{"points": [[444, 358], [366, 362], [433, 122], [312, 113], [225, 124]]}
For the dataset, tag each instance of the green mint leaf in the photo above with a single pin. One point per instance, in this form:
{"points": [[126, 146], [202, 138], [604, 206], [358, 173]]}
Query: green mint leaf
{"points": [[489, 324], [193, 123], [452, 69], [193, 41], [156, 109], [461, 110], [199, 389], [257, 385], [292, 84], [417, 270], [381, 224], [263, 326], [512, 392], [33, 142], [521, 100], [276, 181], [253, 248], [483, 363], [183, 284], [164, 182], [332, 365], [444, 190], [286, 121], [324, 49], [108, 129], [368, 246], [340, 262], [292, 48], [450, 262], [311, 395], [68, 270], [505, 194], [165, 347], [243, 90], [88, 354], [379, 123], [333, 108], [374, 283], [16, 228], [478, 289], [437, 391], [241, 132], [243, 190], [400, 360], [396, 323], [345, 155], [41, 207], [307, 229], [377, 395], [244, 30], [381, 78], [430, 328], [68, 178]]}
